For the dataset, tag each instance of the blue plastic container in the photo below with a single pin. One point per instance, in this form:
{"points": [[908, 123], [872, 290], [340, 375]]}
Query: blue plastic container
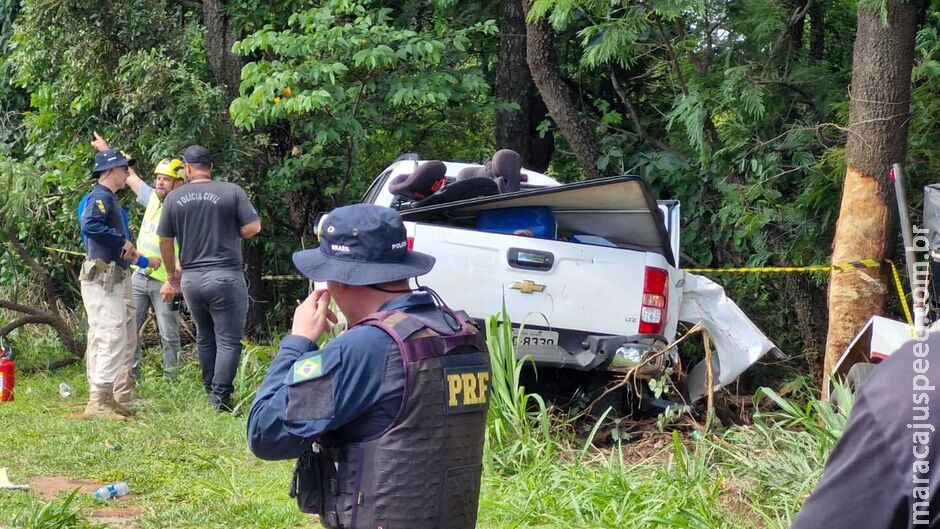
{"points": [[536, 220]]}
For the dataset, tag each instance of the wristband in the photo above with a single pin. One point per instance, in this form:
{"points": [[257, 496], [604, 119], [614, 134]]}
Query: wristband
{"points": [[142, 261]]}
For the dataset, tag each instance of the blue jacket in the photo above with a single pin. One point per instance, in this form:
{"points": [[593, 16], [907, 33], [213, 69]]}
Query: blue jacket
{"points": [[356, 363], [104, 225]]}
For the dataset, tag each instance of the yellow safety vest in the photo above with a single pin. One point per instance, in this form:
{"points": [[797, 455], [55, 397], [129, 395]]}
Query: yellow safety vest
{"points": [[148, 242]]}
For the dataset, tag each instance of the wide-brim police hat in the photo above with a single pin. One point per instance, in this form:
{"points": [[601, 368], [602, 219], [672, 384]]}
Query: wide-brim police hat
{"points": [[362, 244], [110, 159]]}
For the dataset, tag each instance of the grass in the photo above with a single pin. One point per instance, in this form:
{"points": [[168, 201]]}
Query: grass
{"points": [[189, 466]]}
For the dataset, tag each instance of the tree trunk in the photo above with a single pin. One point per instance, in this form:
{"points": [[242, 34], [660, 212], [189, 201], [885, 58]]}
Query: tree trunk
{"points": [[817, 32], [518, 129], [878, 114], [227, 69], [543, 64], [807, 300], [226, 66]]}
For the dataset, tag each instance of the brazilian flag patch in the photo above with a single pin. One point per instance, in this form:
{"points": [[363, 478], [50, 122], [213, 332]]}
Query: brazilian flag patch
{"points": [[308, 368]]}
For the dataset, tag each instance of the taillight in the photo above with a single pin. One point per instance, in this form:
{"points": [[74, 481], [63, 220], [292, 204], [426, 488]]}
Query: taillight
{"points": [[411, 243], [655, 301]]}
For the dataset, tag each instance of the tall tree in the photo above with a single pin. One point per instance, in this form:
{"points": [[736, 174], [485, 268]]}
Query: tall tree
{"points": [[517, 129], [219, 39], [226, 68], [879, 110], [543, 63]]}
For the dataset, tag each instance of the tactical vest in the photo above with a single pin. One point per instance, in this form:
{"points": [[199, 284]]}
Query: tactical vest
{"points": [[148, 242], [424, 470], [116, 220]]}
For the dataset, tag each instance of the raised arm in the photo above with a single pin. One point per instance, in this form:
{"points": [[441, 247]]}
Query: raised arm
{"points": [[133, 181]]}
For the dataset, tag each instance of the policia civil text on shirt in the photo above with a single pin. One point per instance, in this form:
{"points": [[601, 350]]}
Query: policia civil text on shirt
{"points": [[386, 420], [106, 290], [208, 220]]}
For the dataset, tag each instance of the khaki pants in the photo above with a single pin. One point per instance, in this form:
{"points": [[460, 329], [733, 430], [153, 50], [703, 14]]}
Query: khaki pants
{"points": [[112, 331]]}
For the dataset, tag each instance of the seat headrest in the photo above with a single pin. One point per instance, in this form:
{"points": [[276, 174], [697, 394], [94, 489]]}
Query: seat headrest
{"points": [[428, 178], [506, 167]]}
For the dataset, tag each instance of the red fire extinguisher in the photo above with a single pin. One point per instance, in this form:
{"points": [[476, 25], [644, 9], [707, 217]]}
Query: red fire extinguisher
{"points": [[7, 371]]}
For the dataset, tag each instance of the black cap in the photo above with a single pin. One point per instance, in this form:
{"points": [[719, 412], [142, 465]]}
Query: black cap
{"points": [[196, 154], [110, 159], [362, 244]]}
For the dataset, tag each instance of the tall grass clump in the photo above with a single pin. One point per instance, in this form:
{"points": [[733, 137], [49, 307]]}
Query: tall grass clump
{"points": [[782, 455], [519, 423], [56, 514]]}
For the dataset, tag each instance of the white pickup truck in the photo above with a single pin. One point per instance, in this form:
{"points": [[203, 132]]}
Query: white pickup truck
{"points": [[596, 295]]}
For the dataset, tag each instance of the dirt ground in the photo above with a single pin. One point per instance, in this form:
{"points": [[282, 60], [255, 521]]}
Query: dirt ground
{"points": [[120, 514]]}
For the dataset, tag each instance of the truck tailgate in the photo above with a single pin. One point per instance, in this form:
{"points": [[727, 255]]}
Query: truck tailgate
{"points": [[590, 288]]}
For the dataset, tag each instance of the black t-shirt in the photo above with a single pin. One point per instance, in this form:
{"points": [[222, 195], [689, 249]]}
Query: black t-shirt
{"points": [[885, 471], [205, 219]]}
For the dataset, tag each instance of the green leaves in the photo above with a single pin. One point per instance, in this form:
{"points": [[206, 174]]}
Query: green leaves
{"points": [[337, 69]]}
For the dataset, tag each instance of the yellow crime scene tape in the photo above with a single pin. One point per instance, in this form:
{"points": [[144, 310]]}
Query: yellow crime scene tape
{"points": [[66, 252], [266, 278], [856, 265]]}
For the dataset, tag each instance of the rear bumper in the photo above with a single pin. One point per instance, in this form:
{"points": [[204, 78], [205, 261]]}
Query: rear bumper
{"points": [[588, 352]]}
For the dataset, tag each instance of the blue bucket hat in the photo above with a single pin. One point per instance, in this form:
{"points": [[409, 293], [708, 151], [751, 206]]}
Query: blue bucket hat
{"points": [[362, 244], [110, 159]]}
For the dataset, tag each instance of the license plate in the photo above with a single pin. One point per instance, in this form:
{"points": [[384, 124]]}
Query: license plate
{"points": [[536, 337]]}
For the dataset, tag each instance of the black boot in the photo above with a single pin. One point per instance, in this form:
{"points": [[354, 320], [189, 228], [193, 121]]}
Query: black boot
{"points": [[222, 403]]}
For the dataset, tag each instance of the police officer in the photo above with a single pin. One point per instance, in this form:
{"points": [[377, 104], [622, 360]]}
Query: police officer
{"points": [[387, 419], [106, 290], [208, 219], [148, 281]]}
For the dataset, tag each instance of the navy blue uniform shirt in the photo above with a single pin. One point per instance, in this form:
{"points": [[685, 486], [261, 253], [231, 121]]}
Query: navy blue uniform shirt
{"points": [[103, 224], [352, 388]]}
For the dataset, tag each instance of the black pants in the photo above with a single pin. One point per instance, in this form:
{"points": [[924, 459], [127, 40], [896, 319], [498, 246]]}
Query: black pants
{"points": [[218, 301]]}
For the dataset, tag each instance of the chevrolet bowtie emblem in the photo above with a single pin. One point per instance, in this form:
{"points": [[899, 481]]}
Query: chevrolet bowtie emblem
{"points": [[527, 287]]}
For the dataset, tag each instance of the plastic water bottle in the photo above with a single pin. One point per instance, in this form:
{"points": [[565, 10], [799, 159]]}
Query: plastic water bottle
{"points": [[112, 491]]}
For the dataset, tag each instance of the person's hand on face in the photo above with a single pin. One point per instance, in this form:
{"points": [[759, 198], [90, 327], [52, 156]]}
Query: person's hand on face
{"points": [[313, 317]]}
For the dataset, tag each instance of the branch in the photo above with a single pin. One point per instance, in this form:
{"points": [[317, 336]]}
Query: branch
{"points": [[640, 130], [54, 365], [38, 269], [25, 320], [25, 309], [795, 17], [673, 59]]}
